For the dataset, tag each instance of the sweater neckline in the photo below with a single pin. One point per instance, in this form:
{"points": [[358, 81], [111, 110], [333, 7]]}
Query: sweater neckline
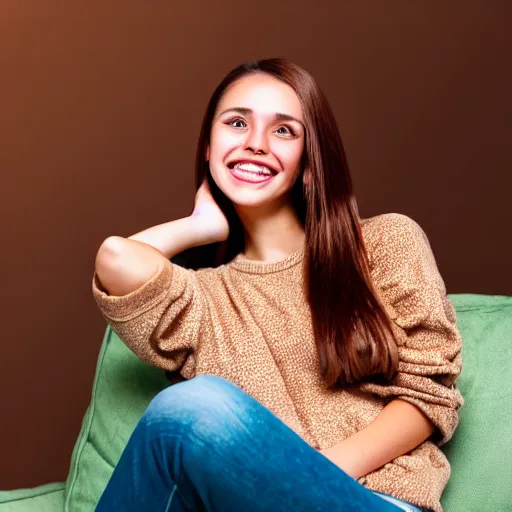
{"points": [[239, 262]]}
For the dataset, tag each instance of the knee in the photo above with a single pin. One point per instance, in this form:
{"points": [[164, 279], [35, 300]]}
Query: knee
{"points": [[200, 405], [206, 418]]}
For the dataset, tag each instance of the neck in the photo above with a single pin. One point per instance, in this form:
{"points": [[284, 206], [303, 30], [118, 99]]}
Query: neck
{"points": [[271, 234]]}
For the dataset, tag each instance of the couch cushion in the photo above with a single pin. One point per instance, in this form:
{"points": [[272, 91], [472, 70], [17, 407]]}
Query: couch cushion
{"points": [[479, 452], [123, 387]]}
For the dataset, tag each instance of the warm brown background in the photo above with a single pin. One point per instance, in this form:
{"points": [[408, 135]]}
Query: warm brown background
{"points": [[100, 109]]}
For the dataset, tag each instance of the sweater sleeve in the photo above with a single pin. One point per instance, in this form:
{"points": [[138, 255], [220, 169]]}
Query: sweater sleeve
{"points": [[162, 320], [429, 344]]}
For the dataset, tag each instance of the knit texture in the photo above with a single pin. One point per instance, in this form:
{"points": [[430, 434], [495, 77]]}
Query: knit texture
{"points": [[249, 322]]}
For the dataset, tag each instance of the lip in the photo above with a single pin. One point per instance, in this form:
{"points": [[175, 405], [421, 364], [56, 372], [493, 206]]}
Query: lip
{"points": [[250, 161], [240, 178]]}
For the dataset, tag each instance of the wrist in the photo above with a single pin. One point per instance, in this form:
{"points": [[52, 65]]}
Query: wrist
{"points": [[345, 460], [203, 230]]}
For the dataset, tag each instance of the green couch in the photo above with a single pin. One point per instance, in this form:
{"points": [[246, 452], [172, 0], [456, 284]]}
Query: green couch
{"points": [[480, 451]]}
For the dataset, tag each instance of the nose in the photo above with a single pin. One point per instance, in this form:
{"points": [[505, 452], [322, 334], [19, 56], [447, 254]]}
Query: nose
{"points": [[256, 141]]}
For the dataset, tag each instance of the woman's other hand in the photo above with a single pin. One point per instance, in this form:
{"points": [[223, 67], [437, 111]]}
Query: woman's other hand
{"points": [[210, 216]]}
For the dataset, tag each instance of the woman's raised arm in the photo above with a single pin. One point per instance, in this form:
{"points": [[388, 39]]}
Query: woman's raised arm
{"points": [[124, 264], [156, 307]]}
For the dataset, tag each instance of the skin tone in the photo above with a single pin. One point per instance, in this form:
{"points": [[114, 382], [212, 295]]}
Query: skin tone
{"points": [[245, 126], [260, 118], [399, 428]]}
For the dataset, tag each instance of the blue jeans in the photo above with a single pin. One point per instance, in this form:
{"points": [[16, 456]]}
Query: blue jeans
{"points": [[206, 445]]}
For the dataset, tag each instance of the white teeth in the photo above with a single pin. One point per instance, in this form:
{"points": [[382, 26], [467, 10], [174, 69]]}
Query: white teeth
{"points": [[253, 168]]}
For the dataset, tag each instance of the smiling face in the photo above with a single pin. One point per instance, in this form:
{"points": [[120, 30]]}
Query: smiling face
{"points": [[256, 141]]}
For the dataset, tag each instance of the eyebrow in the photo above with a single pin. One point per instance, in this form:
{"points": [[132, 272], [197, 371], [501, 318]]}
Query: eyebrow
{"points": [[278, 116]]}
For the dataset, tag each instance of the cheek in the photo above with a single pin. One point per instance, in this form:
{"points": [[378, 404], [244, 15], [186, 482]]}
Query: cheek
{"points": [[222, 142], [289, 154]]}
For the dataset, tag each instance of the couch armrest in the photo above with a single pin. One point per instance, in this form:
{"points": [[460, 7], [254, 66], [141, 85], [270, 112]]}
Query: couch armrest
{"points": [[44, 498]]}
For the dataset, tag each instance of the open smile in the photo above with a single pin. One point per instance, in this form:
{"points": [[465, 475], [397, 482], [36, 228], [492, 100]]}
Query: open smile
{"points": [[251, 171]]}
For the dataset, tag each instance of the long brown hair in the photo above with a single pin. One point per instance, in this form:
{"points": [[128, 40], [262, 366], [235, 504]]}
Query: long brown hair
{"points": [[352, 330]]}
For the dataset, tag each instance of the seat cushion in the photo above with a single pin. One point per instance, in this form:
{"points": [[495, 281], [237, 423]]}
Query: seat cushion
{"points": [[45, 498], [479, 451]]}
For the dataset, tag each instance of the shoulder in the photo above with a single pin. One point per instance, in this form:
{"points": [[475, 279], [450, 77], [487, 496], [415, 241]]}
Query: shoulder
{"points": [[390, 225], [212, 278], [201, 279], [393, 237]]}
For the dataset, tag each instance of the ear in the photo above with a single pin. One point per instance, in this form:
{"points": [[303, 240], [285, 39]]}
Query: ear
{"points": [[207, 156]]}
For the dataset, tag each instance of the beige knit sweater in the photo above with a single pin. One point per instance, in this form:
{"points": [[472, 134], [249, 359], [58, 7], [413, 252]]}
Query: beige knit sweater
{"points": [[250, 323]]}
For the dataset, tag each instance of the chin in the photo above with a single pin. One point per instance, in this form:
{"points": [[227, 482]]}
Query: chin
{"points": [[250, 200]]}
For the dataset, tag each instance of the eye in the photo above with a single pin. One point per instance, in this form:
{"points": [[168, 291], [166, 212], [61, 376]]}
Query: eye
{"points": [[233, 122], [288, 131]]}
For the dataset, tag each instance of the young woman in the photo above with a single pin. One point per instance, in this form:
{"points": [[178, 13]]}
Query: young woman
{"points": [[318, 350]]}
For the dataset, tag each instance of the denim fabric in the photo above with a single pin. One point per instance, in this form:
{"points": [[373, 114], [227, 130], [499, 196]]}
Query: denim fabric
{"points": [[402, 505], [206, 445]]}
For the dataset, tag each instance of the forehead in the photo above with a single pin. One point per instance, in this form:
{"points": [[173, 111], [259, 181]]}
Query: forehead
{"points": [[263, 94]]}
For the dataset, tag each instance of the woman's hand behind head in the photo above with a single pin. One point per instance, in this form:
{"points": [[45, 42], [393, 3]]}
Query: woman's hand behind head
{"points": [[212, 219]]}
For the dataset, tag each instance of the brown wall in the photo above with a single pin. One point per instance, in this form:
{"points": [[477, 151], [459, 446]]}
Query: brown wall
{"points": [[100, 109]]}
